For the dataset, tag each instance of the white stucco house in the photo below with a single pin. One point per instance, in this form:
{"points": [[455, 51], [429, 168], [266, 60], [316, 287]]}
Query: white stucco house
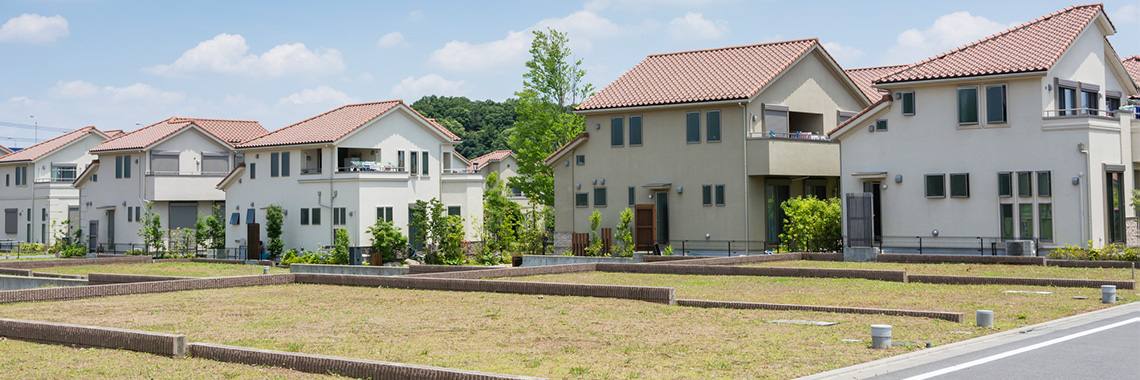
{"points": [[504, 164], [37, 188], [175, 163], [1013, 138], [346, 168]]}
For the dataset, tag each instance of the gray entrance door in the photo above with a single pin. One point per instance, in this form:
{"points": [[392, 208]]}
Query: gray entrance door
{"points": [[110, 230], [662, 200]]}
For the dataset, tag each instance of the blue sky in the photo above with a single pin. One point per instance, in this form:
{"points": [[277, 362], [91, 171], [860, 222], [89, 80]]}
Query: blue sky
{"points": [[113, 64]]}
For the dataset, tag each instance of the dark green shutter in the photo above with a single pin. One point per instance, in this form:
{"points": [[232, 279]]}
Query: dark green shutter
{"points": [[712, 126], [693, 127], [635, 130], [617, 131]]}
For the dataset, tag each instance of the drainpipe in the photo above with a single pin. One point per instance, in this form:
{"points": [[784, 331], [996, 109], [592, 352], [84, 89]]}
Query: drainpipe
{"points": [[747, 231], [332, 193], [1086, 204]]}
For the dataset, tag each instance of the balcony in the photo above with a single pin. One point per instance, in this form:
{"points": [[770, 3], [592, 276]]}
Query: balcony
{"points": [[1084, 118], [791, 155], [184, 187]]}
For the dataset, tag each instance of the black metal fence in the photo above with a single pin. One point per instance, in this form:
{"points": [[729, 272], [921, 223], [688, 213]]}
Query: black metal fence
{"points": [[959, 245], [721, 247]]}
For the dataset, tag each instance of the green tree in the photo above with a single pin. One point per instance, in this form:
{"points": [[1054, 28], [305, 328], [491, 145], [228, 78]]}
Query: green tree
{"points": [[624, 236], [811, 225], [484, 125], [273, 217], [340, 247], [451, 242], [501, 216], [431, 227], [210, 230], [151, 231], [386, 240], [595, 247], [552, 87]]}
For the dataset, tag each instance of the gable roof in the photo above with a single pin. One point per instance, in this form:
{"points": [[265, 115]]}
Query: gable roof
{"points": [[485, 159], [335, 124], [113, 132], [231, 132], [4, 150], [34, 152], [582, 137], [727, 73], [866, 76], [858, 118], [1132, 65], [1033, 46]]}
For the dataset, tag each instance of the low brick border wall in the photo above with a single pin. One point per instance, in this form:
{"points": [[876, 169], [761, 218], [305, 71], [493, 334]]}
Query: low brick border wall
{"points": [[959, 259], [34, 264], [943, 315], [356, 270], [321, 364], [660, 258], [16, 272], [710, 270], [639, 293], [229, 261], [57, 275], [80, 292], [822, 256], [114, 278], [512, 272], [19, 283], [737, 260], [1057, 282], [1091, 263], [421, 269], [142, 341]]}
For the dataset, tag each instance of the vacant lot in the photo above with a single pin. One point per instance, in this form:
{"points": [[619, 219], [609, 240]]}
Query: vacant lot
{"points": [[988, 270], [865, 293], [180, 269], [556, 337], [24, 360]]}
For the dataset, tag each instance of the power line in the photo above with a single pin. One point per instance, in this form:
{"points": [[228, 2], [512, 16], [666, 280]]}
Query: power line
{"points": [[33, 127]]}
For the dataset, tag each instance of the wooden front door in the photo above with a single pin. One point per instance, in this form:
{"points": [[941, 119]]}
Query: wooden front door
{"points": [[645, 226]]}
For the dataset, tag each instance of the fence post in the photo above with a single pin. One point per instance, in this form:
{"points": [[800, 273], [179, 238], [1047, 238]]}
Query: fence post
{"points": [[683, 251], [730, 248], [981, 246], [919, 244]]}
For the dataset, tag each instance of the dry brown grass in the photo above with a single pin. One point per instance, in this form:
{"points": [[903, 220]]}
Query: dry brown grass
{"points": [[986, 270]]}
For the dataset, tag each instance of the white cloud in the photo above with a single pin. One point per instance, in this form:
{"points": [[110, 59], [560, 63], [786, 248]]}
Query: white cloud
{"points": [[136, 93], [33, 29], [319, 95], [393, 39], [842, 54], [227, 54], [22, 100], [366, 77], [460, 56], [411, 89], [72, 90], [416, 15], [645, 5], [948, 31], [695, 25], [1126, 14]]}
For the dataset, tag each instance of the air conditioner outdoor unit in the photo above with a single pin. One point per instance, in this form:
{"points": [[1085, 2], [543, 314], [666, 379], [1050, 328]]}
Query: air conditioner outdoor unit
{"points": [[1020, 248]]}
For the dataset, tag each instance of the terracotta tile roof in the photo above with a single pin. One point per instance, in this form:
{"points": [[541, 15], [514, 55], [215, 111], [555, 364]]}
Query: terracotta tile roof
{"points": [[497, 155], [230, 131], [1132, 65], [736, 72], [332, 125], [34, 152], [4, 150], [113, 132], [866, 76], [1033, 46], [581, 137], [883, 98]]}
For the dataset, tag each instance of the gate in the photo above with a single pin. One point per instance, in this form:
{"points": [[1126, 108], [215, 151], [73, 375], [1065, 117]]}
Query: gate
{"points": [[645, 227], [860, 220]]}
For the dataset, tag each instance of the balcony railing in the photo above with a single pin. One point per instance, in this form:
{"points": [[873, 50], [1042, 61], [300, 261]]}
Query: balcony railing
{"points": [[186, 174], [311, 171], [55, 180], [460, 171], [1081, 112], [380, 169], [795, 136]]}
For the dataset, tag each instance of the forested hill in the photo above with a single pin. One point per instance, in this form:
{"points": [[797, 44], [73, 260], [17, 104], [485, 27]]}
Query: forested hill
{"points": [[484, 125]]}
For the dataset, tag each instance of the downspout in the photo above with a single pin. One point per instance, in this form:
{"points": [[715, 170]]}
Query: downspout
{"points": [[744, 123], [1086, 203], [332, 193]]}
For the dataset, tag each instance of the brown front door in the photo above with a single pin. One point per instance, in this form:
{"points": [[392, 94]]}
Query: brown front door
{"points": [[645, 226], [253, 241]]}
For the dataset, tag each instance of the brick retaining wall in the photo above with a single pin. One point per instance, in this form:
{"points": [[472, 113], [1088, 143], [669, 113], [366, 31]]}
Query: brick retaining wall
{"points": [[959, 259], [738, 260], [1091, 263], [421, 269], [944, 315], [230, 261], [660, 258], [16, 272], [33, 264], [640, 293], [142, 341], [79, 292], [710, 270], [1058, 282], [321, 364], [513, 272], [57, 275], [822, 256], [111, 278]]}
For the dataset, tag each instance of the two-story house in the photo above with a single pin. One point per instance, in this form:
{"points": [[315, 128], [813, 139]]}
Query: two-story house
{"points": [[37, 190], [705, 145], [504, 164], [1013, 138], [174, 165], [347, 168]]}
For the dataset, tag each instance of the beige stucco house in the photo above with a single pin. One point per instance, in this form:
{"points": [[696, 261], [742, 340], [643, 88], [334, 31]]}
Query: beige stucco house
{"points": [[705, 144], [1015, 137], [347, 168], [175, 163], [37, 188]]}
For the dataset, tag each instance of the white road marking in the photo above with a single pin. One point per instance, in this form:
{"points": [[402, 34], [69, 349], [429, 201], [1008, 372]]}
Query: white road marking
{"points": [[1019, 351]]}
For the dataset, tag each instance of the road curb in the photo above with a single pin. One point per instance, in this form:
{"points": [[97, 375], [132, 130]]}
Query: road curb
{"points": [[913, 359]]}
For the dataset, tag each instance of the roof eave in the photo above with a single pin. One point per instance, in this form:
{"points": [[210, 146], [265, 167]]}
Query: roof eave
{"points": [[1024, 74], [659, 106]]}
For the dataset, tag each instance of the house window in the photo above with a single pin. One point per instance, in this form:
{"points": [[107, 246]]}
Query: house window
{"points": [[250, 216], [1024, 184], [7, 180], [843, 116], [617, 131], [63, 172], [1045, 220], [304, 217], [43, 214], [907, 103], [315, 216], [712, 126], [384, 213], [284, 164], [580, 159], [632, 200], [1025, 216], [816, 188], [235, 218], [215, 163], [693, 127], [1006, 221], [126, 166], [274, 164], [995, 104], [1005, 185], [164, 162], [340, 216], [581, 200], [118, 169], [454, 211], [130, 215], [414, 162], [719, 195], [706, 195], [1066, 98], [400, 160], [11, 221], [968, 105], [1044, 184], [1112, 102], [1090, 100], [424, 157], [94, 178], [21, 175], [599, 197], [935, 185], [960, 185], [138, 213], [634, 130], [252, 170], [881, 125]]}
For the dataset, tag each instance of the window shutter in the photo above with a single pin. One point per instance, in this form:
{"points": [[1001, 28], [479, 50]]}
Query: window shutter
{"points": [[712, 125], [284, 164], [635, 130], [274, 164], [617, 131], [693, 127], [775, 119]]}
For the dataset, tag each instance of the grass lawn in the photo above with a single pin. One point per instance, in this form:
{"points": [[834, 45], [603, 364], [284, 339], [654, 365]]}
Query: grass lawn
{"points": [[988, 270], [965, 299], [181, 269], [555, 337], [24, 360]]}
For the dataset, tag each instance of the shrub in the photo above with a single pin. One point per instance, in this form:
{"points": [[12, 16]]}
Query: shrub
{"points": [[386, 240], [450, 243], [151, 231], [290, 257], [667, 251], [73, 250], [595, 247], [1111, 252], [624, 248], [135, 252], [811, 225], [31, 247], [273, 230], [340, 248]]}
